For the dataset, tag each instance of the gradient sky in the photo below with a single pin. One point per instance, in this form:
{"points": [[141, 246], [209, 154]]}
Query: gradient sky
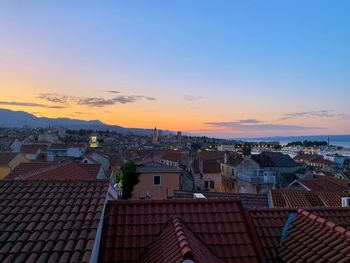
{"points": [[223, 68]]}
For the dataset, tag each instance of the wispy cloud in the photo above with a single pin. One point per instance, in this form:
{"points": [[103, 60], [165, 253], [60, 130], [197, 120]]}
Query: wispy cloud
{"points": [[258, 126], [93, 101], [30, 104], [313, 114], [192, 98], [251, 121], [112, 91], [55, 98]]}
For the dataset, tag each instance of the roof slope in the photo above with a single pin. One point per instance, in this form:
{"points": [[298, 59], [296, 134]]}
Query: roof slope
{"points": [[173, 156], [221, 225], [176, 243], [315, 239], [274, 159], [300, 198], [6, 157], [248, 200], [268, 224], [54, 171], [49, 221], [327, 184]]}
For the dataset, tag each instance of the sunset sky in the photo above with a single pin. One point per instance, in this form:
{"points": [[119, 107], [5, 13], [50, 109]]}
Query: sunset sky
{"points": [[218, 68]]}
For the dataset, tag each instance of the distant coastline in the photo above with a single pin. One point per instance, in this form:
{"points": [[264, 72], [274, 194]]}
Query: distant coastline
{"points": [[337, 140]]}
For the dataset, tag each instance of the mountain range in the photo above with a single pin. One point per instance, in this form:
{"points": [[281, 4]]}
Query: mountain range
{"points": [[17, 119]]}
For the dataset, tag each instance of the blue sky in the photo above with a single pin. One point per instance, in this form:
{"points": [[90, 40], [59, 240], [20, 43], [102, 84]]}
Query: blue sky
{"points": [[205, 63]]}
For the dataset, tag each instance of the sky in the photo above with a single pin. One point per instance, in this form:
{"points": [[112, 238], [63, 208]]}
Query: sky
{"points": [[217, 68]]}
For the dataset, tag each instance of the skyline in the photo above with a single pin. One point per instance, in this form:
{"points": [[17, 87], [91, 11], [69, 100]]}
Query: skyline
{"points": [[242, 68]]}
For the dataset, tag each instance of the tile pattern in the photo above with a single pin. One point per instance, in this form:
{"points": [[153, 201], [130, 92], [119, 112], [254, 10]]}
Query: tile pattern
{"points": [[301, 198], [314, 239], [6, 157], [131, 226], [54, 171], [49, 221], [248, 200], [326, 184], [176, 243], [268, 224]]}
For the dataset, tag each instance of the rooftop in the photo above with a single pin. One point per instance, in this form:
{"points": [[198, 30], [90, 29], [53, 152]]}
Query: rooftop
{"points": [[49, 221], [54, 171], [6, 157], [248, 200], [301, 198], [132, 228]]}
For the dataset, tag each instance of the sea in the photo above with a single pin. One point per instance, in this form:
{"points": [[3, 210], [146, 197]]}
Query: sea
{"points": [[337, 140]]}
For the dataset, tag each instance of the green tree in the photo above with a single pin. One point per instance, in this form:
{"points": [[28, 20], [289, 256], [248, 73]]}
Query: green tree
{"points": [[129, 179]]}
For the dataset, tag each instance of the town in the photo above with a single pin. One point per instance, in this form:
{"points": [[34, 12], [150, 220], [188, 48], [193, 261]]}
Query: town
{"points": [[105, 190]]}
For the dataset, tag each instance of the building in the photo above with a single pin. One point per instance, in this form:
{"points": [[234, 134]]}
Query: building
{"points": [[93, 142], [31, 151], [171, 158], [205, 231], [9, 161], [227, 147], [155, 137], [156, 181], [57, 151]]}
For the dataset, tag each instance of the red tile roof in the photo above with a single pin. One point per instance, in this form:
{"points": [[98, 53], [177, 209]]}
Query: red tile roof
{"points": [[212, 155], [54, 171], [211, 166], [6, 157], [130, 227], [300, 198], [173, 156], [326, 184], [30, 149], [248, 200], [176, 243], [315, 239], [268, 224], [321, 161], [49, 221]]}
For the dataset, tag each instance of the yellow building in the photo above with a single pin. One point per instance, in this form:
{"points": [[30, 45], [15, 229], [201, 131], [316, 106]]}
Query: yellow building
{"points": [[9, 161]]}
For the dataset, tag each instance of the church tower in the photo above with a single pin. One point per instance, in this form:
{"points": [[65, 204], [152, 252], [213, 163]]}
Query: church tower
{"points": [[155, 135]]}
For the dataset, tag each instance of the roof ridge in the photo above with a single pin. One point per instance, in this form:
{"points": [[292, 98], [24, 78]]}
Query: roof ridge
{"points": [[324, 222], [185, 247]]}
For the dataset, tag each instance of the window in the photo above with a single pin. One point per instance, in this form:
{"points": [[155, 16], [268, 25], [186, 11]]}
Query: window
{"points": [[345, 201], [156, 180], [212, 184], [209, 184]]}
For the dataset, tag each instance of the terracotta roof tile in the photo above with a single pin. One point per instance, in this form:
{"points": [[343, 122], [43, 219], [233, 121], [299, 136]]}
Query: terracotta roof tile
{"points": [[132, 226], [34, 232], [326, 184], [173, 156], [6, 157], [268, 224], [300, 198], [325, 247], [248, 200], [54, 171]]}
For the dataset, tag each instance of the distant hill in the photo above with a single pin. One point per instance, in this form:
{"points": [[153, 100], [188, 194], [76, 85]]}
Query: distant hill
{"points": [[17, 119]]}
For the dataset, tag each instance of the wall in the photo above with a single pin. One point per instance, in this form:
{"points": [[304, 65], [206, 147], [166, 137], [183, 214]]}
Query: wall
{"points": [[168, 183]]}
